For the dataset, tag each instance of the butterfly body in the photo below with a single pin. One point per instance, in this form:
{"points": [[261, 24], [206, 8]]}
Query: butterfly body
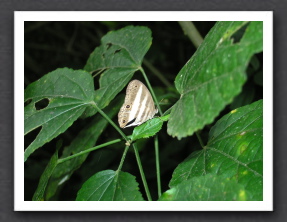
{"points": [[138, 106]]}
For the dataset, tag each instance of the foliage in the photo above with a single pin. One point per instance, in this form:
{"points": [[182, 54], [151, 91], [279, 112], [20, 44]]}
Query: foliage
{"points": [[234, 150], [212, 77], [110, 185], [78, 105]]}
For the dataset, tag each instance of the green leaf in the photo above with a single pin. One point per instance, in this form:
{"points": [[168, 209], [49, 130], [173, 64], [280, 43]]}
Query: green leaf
{"points": [[213, 76], [39, 193], [86, 139], [207, 188], [69, 92], [149, 128], [110, 185], [118, 58], [234, 150]]}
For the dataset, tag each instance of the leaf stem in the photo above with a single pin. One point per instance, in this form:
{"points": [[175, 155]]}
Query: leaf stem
{"points": [[142, 172], [109, 120], [191, 31], [123, 158], [200, 140], [151, 90], [157, 166], [98, 72], [157, 73], [88, 150]]}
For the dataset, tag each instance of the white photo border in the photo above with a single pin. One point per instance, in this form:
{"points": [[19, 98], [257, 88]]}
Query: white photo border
{"points": [[265, 16]]}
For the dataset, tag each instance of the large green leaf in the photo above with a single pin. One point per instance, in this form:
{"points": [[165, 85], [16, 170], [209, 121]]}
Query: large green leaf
{"points": [[234, 150], [213, 76], [86, 139], [118, 58], [110, 185], [207, 188], [69, 92]]}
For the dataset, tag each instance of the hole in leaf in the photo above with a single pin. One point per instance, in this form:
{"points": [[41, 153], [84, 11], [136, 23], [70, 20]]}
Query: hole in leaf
{"points": [[42, 104], [31, 136], [27, 102], [118, 50], [238, 35], [109, 45], [97, 82]]}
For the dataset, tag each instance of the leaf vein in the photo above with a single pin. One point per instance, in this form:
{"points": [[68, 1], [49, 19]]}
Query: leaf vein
{"points": [[233, 134], [81, 87], [235, 160], [104, 182], [235, 120]]}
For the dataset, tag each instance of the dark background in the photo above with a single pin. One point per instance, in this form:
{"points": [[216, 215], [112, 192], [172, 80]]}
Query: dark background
{"points": [[6, 41], [52, 45]]}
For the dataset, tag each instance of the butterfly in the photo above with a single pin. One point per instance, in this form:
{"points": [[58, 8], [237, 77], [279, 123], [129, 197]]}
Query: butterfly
{"points": [[138, 106]]}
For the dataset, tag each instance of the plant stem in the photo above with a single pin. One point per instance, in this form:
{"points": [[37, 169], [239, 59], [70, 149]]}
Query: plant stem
{"points": [[192, 33], [100, 71], [88, 150], [151, 90], [135, 149], [109, 120], [123, 158], [157, 166], [141, 172], [157, 73], [200, 140]]}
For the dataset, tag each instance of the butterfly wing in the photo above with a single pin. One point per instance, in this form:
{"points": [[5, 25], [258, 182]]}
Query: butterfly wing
{"points": [[138, 106]]}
